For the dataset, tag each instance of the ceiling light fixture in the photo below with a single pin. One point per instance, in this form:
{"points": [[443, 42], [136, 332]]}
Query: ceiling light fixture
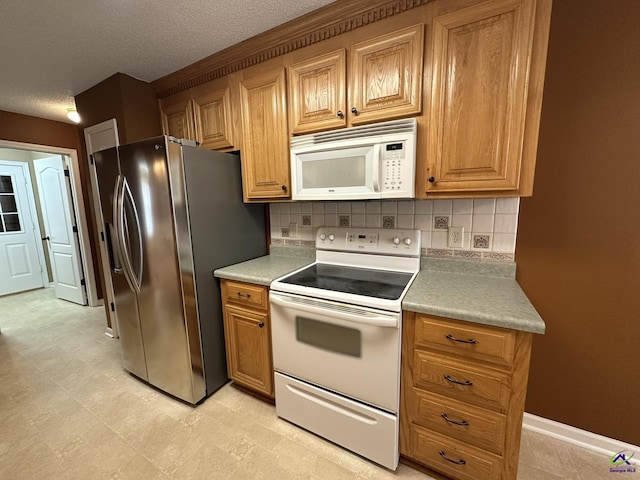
{"points": [[73, 115]]}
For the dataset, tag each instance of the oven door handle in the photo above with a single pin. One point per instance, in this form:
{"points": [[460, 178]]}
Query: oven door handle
{"points": [[336, 311]]}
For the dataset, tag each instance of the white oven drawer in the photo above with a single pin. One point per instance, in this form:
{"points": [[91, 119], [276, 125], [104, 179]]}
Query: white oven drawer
{"points": [[354, 351], [362, 429]]}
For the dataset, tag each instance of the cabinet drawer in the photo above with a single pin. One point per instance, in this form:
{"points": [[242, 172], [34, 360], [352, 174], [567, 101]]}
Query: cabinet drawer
{"points": [[485, 343], [461, 380], [246, 294], [454, 458], [474, 425]]}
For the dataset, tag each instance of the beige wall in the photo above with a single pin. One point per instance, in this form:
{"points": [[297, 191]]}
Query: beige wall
{"points": [[578, 247]]}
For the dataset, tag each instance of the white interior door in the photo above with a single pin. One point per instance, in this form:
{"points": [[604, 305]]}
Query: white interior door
{"points": [[59, 223], [20, 263], [100, 137]]}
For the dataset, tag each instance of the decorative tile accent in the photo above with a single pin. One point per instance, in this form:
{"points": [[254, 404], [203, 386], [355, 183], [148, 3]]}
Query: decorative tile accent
{"points": [[438, 252], [284, 232], [440, 222], [343, 221], [306, 220], [388, 221], [482, 241], [501, 257], [467, 254]]}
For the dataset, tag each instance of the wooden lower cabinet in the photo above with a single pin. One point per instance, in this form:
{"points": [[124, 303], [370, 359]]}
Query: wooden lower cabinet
{"points": [[247, 331], [462, 396]]}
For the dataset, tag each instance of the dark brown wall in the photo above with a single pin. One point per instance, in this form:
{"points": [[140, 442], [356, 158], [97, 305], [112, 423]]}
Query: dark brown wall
{"points": [[26, 129], [578, 250], [130, 101]]}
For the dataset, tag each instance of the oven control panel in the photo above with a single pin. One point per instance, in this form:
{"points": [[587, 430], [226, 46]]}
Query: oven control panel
{"points": [[383, 241]]}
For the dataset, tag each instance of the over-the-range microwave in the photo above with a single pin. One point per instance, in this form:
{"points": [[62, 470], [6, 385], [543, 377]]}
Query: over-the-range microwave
{"points": [[357, 163]]}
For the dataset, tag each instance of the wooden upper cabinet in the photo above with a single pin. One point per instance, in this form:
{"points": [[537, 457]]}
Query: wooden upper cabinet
{"points": [[481, 63], [386, 76], [212, 115], [265, 137], [202, 113], [176, 113], [317, 93], [384, 82]]}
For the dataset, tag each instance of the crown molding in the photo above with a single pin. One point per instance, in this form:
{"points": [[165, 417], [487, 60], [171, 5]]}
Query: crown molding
{"points": [[326, 22]]}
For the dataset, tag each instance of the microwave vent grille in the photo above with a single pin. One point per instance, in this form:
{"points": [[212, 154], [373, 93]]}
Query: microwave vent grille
{"points": [[376, 129]]}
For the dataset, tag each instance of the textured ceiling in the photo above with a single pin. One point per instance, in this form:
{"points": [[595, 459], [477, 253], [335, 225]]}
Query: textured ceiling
{"points": [[51, 50]]}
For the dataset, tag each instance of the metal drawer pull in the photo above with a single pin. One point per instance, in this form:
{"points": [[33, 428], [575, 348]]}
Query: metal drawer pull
{"points": [[462, 423], [244, 295], [466, 383], [457, 462], [451, 337]]}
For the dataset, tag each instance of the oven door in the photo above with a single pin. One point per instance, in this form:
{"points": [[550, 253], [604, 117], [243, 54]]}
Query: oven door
{"points": [[354, 351]]}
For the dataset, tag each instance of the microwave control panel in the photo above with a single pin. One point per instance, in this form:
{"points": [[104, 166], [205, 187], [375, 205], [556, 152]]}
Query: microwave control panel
{"points": [[393, 157]]}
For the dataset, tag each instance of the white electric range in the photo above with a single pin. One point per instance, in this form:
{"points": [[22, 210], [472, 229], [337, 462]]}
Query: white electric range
{"points": [[336, 332]]}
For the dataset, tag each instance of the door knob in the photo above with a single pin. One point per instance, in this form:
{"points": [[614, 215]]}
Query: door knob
{"points": [[46, 238]]}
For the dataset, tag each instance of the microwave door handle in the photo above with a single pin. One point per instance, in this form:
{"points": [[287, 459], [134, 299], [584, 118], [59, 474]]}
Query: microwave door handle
{"points": [[335, 312], [377, 160]]}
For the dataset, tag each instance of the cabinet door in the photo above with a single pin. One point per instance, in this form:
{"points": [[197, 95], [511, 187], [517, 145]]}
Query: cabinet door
{"points": [[481, 59], [212, 114], [176, 113], [317, 93], [265, 139], [248, 343], [386, 76]]}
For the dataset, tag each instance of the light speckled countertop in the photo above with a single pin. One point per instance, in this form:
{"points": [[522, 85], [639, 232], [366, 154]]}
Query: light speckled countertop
{"points": [[490, 295], [264, 270], [479, 292]]}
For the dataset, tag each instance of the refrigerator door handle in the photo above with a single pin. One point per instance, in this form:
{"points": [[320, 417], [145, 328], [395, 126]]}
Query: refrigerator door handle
{"points": [[137, 274], [119, 216]]}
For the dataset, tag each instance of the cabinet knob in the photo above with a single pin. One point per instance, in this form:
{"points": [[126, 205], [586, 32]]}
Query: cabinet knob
{"points": [[354, 110], [340, 114], [431, 179], [284, 188], [261, 324]]}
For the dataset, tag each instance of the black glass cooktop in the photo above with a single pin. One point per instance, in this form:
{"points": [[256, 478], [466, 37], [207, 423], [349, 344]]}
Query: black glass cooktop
{"points": [[359, 281]]}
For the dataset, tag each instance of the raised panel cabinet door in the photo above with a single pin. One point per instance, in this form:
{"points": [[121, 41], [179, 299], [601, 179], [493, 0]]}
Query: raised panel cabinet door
{"points": [[248, 348], [265, 138], [386, 76], [212, 115], [317, 93], [176, 113], [481, 59]]}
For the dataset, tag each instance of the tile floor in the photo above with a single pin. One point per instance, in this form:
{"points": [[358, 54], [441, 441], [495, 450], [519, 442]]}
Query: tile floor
{"points": [[69, 411]]}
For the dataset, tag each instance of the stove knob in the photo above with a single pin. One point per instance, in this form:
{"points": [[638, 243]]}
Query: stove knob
{"points": [[407, 241], [332, 237], [323, 237], [396, 241]]}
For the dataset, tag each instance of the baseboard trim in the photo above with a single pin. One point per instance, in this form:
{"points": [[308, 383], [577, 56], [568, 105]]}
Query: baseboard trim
{"points": [[581, 438]]}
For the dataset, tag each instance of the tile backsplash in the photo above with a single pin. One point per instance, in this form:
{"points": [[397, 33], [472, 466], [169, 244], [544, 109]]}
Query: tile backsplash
{"points": [[489, 224]]}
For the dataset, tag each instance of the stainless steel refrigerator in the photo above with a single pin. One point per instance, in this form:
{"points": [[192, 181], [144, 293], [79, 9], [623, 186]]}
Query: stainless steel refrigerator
{"points": [[172, 214]]}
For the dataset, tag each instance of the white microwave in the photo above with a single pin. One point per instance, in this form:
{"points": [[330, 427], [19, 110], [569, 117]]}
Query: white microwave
{"points": [[357, 163]]}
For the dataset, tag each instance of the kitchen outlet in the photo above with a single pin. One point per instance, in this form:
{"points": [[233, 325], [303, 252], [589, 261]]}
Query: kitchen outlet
{"points": [[455, 237]]}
